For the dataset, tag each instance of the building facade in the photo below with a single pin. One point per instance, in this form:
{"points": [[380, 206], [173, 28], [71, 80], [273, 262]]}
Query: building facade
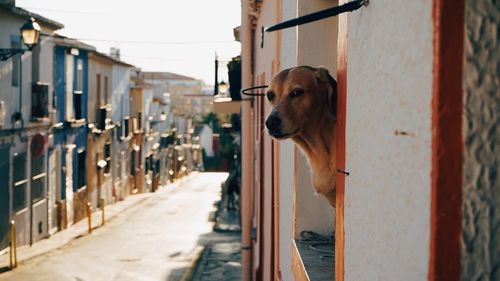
{"points": [[26, 84], [412, 182]]}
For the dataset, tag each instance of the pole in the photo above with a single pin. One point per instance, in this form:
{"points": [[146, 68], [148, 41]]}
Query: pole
{"points": [[216, 82], [103, 203], [89, 216], [13, 245]]}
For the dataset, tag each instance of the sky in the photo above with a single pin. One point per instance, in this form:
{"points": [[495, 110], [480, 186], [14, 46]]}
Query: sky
{"points": [[180, 36]]}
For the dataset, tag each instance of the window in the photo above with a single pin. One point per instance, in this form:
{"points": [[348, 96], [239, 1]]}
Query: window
{"points": [[15, 43], [107, 157], [81, 169], [126, 124], [78, 103], [20, 181], [69, 87], [101, 118], [98, 91], [38, 178], [79, 75], [139, 121], [132, 162], [39, 100], [78, 93], [135, 127], [106, 90]]}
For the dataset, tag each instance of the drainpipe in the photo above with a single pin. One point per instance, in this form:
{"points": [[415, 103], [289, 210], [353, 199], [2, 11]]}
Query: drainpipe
{"points": [[246, 145]]}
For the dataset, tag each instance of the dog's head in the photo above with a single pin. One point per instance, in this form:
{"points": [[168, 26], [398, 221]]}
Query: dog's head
{"points": [[298, 96]]}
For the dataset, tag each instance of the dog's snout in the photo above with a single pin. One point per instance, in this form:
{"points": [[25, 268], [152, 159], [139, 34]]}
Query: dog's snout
{"points": [[273, 123]]}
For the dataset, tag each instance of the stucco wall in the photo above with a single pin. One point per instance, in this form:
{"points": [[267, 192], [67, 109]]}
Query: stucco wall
{"points": [[120, 84], [287, 151], [481, 200], [387, 194], [98, 66]]}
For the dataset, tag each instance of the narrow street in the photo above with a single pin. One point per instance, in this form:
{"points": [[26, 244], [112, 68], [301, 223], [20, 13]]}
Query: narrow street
{"points": [[154, 240]]}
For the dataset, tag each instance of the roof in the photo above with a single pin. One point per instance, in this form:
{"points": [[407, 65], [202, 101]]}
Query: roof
{"points": [[9, 6], [110, 58], [71, 42], [153, 75]]}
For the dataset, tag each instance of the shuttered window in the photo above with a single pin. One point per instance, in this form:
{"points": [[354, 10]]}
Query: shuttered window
{"points": [[20, 181]]}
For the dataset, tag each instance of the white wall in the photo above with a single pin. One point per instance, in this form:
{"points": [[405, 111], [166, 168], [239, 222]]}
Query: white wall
{"points": [[10, 26], [287, 151], [387, 194], [120, 85], [97, 66]]}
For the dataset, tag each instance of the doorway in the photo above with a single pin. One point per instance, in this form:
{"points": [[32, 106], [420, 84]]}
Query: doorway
{"points": [[4, 196], [54, 189]]}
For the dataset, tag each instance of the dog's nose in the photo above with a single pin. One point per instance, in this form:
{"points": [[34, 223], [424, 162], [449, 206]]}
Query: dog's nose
{"points": [[273, 123]]}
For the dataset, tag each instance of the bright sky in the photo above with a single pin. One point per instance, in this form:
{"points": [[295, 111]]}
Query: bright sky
{"points": [[144, 31]]}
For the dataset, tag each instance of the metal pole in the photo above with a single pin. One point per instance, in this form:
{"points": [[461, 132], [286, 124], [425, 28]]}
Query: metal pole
{"points": [[13, 245], [216, 84], [103, 203], [89, 216]]}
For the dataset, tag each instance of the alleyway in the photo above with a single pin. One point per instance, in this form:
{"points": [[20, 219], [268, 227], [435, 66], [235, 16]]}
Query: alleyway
{"points": [[154, 240]]}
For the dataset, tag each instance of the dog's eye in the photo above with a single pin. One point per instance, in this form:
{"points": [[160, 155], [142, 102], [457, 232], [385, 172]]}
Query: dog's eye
{"points": [[270, 96], [296, 93]]}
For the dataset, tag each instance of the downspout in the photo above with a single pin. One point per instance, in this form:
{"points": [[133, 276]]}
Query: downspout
{"points": [[246, 145]]}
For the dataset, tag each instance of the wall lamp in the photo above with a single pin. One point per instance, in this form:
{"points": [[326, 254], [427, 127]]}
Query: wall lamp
{"points": [[30, 34], [222, 93]]}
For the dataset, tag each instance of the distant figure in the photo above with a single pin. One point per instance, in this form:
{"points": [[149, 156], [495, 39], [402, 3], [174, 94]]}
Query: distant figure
{"points": [[232, 192]]}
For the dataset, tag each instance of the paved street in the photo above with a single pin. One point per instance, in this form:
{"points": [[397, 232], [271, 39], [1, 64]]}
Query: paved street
{"points": [[157, 239]]}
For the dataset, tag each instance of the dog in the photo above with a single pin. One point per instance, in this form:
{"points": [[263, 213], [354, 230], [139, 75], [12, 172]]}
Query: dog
{"points": [[304, 109]]}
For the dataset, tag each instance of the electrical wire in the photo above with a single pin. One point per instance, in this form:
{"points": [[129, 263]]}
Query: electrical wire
{"points": [[158, 42]]}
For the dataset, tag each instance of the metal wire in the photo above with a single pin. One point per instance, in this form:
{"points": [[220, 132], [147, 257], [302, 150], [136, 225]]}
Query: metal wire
{"points": [[246, 93]]}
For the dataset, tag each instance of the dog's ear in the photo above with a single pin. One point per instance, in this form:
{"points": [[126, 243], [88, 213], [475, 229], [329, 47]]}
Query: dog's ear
{"points": [[324, 77]]}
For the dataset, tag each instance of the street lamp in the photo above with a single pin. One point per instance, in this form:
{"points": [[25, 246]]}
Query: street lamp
{"points": [[30, 34], [223, 94], [223, 87]]}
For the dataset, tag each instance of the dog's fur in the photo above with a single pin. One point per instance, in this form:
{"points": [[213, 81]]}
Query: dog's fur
{"points": [[304, 103]]}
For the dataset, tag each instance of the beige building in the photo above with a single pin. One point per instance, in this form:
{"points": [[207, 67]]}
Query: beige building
{"points": [[195, 105], [411, 153], [176, 85]]}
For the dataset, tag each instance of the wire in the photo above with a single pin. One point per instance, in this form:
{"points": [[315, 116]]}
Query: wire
{"points": [[158, 42], [66, 11]]}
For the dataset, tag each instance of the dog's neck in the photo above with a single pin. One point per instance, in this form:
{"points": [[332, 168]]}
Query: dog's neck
{"points": [[316, 142], [319, 147]]}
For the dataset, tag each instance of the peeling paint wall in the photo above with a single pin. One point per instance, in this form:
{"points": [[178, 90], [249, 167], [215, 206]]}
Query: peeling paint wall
{"points": [[481, 194]]}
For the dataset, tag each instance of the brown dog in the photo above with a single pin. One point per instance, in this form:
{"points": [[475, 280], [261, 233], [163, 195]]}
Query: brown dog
{"points": [[304, 103]]}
